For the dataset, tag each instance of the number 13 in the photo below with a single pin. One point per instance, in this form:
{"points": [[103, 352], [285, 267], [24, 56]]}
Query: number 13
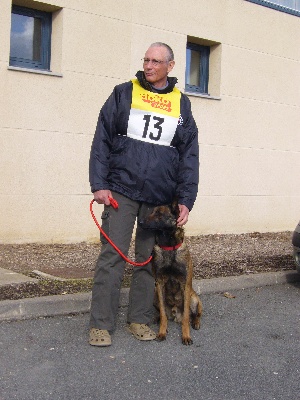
{"points": [[157, 126]]}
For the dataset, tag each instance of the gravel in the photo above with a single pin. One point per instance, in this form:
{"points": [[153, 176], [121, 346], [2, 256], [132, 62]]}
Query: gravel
{"points": [[216, 255]]}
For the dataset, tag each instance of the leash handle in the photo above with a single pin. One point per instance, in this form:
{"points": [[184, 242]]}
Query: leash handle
{"points": [[113, 202], [115, 205]]}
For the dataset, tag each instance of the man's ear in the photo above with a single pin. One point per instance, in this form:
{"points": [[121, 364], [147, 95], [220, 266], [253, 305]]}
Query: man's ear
{"points": [[171, 65]]}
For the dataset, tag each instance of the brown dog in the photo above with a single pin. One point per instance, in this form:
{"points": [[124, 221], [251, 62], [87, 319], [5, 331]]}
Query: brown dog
{"points": [[173, 271]]}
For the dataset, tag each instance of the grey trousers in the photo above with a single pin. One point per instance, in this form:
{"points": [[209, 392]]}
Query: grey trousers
{"points": [[118, 224]]}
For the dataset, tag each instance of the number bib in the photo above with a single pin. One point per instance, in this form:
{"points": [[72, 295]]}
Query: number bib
{"points": [[153, 117]]}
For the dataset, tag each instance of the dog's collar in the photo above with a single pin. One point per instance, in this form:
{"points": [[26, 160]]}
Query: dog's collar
{"points": [[170, 248]]}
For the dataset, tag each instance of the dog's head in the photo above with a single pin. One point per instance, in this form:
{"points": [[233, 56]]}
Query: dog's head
{"points": [[162, 217]]}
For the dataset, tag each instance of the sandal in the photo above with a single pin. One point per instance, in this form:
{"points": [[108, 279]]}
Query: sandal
{"points": [[141, 331], [99, 337]]}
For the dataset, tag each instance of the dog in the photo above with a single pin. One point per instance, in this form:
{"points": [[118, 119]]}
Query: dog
{"points": [[172, 266]]}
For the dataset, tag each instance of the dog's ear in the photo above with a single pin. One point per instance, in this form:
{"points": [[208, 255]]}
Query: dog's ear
{"points": [[175, 208]]}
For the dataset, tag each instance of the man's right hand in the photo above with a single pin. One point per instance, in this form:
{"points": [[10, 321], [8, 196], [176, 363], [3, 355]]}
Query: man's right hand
{"points": [[102, 197]]}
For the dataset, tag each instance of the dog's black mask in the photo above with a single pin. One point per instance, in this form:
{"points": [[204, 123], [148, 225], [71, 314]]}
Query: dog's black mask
{"points": [[162, 218]]}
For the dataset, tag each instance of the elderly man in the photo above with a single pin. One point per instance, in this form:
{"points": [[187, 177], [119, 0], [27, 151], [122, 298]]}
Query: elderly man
{"points": [[144, 153]]}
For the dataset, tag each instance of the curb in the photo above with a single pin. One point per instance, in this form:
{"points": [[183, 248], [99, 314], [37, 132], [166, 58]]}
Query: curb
{"points": [[221, 285], [49, 306]]}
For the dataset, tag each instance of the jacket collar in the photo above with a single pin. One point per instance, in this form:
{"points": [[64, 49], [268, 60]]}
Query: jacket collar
{"points": [[146, 85]]}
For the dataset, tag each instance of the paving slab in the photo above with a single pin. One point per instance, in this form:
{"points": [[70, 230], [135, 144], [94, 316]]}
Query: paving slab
{"points": [[8, 277]]}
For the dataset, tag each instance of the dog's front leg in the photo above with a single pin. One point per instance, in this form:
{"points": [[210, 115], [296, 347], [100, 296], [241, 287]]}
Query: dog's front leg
{"points": [[185, 324], [162, 313]]}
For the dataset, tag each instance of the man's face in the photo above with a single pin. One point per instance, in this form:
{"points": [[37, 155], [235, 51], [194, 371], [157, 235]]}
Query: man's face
{"points": [[157, 74]]}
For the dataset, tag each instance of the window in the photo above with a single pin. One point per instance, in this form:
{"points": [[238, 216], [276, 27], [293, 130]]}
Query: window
{"points": [[30, 38], [287, 6], [197, 68]]}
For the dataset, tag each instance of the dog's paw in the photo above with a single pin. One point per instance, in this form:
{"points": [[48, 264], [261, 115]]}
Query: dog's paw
{"points": [[195, 325], [187, 341], [160, 337]]}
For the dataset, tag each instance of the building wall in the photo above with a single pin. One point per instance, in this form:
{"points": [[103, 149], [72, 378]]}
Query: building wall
{"points": [[248, 127]]}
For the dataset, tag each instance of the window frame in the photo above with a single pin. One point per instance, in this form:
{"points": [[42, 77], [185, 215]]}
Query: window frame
{"points": [[203, 68], [277, 7], [46, 28]]}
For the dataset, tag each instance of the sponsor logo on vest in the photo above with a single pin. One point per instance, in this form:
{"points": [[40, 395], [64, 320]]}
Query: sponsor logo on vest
{"points": [[157, 101]]}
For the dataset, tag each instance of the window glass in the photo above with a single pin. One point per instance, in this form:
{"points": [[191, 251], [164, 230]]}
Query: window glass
{"points": [[193, 77], [197, 68], [25, 38], [30, 38]]}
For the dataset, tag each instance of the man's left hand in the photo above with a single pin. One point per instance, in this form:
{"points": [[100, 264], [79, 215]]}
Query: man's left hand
{"points": [[183, 215]]}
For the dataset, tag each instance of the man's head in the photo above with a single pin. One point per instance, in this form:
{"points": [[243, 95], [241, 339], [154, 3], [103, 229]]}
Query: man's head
{"points": [[158, 62]]}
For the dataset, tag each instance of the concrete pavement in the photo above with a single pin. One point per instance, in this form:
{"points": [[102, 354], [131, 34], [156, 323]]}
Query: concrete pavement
{"points": [[79, 303]]}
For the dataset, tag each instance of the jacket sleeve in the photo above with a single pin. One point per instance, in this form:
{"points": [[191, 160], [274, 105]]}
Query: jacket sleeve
{"points": [[102, 142], [188, 148]]}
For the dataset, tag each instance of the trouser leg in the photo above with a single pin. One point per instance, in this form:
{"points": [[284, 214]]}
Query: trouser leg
{"points": [[118, 225], [141, 293]]}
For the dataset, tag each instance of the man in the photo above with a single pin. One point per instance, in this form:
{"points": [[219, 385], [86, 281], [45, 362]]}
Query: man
{"points": [[144, 153]]}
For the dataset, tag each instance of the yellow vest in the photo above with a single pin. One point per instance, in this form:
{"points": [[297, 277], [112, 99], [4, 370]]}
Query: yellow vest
{"points": [[153, 117]]}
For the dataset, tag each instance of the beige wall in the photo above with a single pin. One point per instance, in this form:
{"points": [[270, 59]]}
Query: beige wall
{"points": [[249, 130]]}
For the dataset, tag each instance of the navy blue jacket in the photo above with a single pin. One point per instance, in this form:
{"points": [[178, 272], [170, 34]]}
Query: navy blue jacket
{"points": [[143, 171]]}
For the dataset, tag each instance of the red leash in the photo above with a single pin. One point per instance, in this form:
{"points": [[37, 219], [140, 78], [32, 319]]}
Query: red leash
{"points": [[114, 204]]}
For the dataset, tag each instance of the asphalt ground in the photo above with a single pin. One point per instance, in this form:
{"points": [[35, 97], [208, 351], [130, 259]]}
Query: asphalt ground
{"points": [[247, 349]]}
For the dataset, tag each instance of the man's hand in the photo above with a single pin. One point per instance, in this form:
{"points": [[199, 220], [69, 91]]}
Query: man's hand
{"points": [[183, 215], [101, 196]]}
